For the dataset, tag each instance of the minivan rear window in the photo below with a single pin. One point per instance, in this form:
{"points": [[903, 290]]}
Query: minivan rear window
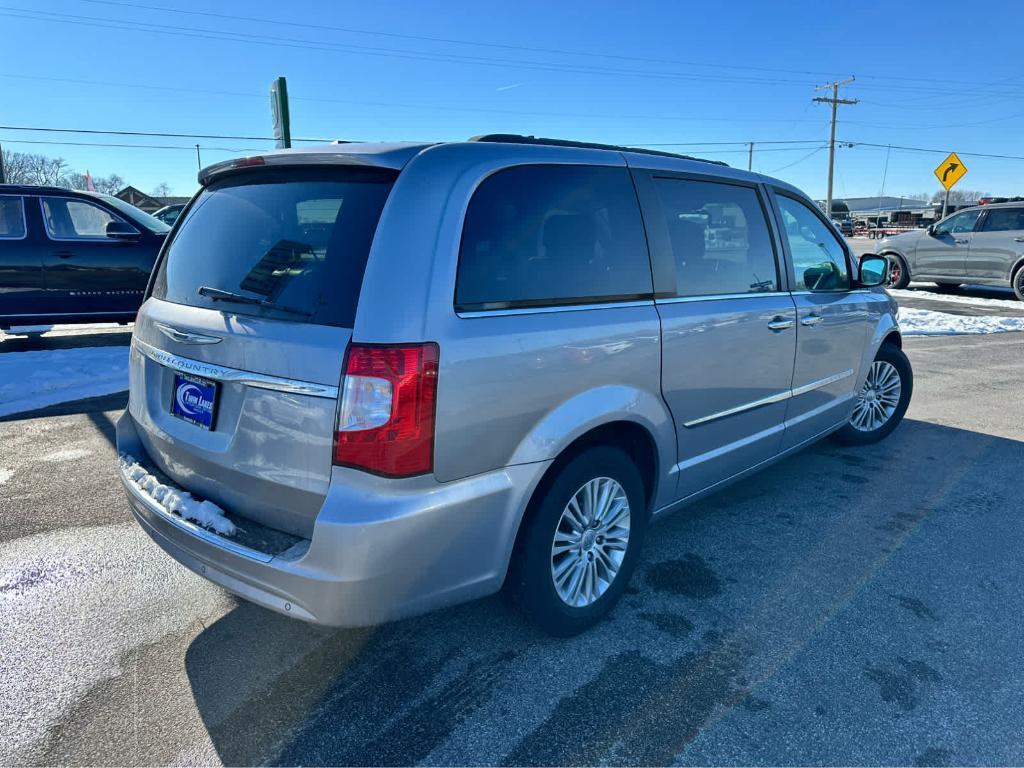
{"points": [[291, 243], [549, 235]]}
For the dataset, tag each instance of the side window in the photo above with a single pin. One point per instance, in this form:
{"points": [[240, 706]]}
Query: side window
{"points": [[819, 259], [958, 224], [67, 218], [545, 235], [1004, 220], [719, 236], [12, 218]]}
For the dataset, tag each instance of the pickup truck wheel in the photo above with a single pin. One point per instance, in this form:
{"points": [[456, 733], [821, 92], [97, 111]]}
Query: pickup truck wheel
{"points": [[882, 401], [580, 543], [899, 275]]}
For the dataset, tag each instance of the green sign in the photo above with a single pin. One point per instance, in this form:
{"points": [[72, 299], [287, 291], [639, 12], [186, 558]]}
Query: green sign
{"points": [[279, 114]]}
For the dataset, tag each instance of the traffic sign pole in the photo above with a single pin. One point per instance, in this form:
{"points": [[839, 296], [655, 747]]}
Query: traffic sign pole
{"points": [[945, 204]]}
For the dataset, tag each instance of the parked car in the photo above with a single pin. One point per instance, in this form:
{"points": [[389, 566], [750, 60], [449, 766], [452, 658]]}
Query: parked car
{"points": [[169, 213], [981, 244], [373, 380], [72, 256]]}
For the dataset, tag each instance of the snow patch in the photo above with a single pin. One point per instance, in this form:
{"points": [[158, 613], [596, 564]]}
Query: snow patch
{"points": [[955, 298], [174, 500], [925, 322], [31, 380], [70, 454], [5, 475]]}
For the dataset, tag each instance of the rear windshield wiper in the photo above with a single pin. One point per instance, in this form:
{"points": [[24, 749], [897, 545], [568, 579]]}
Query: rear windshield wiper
{"points": [[216, 294]]}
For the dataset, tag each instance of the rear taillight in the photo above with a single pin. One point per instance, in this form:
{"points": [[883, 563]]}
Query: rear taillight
{"points": [[386, 414]]}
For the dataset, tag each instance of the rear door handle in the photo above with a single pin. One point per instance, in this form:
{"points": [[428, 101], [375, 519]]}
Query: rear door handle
{"points": [[780, 323], [961, 242], [1018, 239], [810, 320], [64, 254]]}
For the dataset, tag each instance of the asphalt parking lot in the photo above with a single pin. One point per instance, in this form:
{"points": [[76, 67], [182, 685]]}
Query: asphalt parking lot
{"points": [[846, 606]]}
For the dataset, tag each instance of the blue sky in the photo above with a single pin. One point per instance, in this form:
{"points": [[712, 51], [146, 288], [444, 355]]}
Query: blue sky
{"points": [[933, 75]]}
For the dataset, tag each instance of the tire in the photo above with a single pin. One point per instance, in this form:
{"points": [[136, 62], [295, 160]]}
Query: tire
{"points": [[899, 275], [1018, 282], [531, 583], [861, 430]]}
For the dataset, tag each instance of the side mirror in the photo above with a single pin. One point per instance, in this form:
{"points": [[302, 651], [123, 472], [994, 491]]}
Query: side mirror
{"points": [[874, 270], [119, 230], [931, 230]]}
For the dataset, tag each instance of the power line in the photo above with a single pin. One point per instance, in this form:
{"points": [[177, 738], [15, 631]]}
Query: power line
{"points": [[454, 41], [190, 148], [808, 156], [855, 144], [406, 105], [149, 133], [317, 45], [279, 22]]}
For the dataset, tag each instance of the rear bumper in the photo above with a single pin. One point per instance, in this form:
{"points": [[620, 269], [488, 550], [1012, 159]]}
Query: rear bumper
{"points": [[381, 549]]}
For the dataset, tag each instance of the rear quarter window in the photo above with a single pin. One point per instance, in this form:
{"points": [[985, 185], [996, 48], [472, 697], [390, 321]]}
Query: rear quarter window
{"points": [[295, 240], [548, 235]]}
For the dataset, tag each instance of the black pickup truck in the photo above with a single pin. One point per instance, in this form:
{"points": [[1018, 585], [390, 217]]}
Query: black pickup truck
{"points": [[70, 257]]}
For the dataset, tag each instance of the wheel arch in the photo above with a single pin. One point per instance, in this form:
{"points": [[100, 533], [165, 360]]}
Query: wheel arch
{"points": [[632, 436]]}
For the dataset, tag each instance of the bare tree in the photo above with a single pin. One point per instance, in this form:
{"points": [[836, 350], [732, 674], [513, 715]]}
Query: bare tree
{"points": [[105, 185], [163, 189], [25, 168], [960, 196]]}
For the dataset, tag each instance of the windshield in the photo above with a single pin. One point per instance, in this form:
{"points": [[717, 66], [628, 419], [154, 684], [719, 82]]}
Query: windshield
{"points": [[294, 241], [137, 215]]}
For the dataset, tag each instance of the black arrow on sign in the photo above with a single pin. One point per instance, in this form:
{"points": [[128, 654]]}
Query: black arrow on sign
{"points": [[949, 169]]}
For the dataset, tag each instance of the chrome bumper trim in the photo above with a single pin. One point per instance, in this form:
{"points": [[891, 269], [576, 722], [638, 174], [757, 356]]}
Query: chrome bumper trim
{"points": [[233, 375], [210, 538]]}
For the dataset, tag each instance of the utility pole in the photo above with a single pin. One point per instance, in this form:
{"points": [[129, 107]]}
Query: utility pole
{"points": [[2, 177], [835, 101], [199, 160], [750, 157]]}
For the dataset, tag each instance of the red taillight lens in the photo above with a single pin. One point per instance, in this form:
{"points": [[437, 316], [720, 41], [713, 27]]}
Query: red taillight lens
{"points": [[386, 414]]}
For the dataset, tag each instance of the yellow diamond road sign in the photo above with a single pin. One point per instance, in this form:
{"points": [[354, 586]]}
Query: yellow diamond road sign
{"points": [[951, 170]]}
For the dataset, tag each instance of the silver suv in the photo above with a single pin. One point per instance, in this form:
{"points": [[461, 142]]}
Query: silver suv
{"points": [[982, 245], [373, 380]]}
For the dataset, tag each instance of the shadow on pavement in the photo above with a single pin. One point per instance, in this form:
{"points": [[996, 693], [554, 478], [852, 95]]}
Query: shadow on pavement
{"points": [[94, 406], [751, 584], [115, 337]]}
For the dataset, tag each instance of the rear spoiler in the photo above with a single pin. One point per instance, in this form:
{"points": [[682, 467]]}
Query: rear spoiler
{"points": [[369, 156]]}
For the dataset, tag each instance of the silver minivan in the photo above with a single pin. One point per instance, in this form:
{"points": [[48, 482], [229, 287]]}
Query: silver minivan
{"points": [[369, 381], [983, 245]]}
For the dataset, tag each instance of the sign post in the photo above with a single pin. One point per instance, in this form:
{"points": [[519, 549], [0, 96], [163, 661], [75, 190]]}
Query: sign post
{"points": [[279, 114], [949, 172]]}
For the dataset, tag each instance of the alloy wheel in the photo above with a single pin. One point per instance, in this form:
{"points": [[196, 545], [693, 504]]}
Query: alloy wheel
{"points": [[590, 542], [879, 397]]}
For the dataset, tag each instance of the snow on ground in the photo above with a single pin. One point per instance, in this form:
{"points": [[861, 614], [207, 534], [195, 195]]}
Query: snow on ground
{"points": [[174, 500], [62, 329], [954, 298], [30, 380], [925, 322]]}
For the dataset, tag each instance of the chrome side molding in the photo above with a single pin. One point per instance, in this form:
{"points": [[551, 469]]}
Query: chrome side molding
{"points": [[776, 398]]}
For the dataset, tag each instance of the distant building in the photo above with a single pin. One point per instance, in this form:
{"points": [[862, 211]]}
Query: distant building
{"points": [[880, 211], [148, 203]]}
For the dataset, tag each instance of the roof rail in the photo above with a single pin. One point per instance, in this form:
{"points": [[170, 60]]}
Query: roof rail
{"points": [[513, 138]]}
